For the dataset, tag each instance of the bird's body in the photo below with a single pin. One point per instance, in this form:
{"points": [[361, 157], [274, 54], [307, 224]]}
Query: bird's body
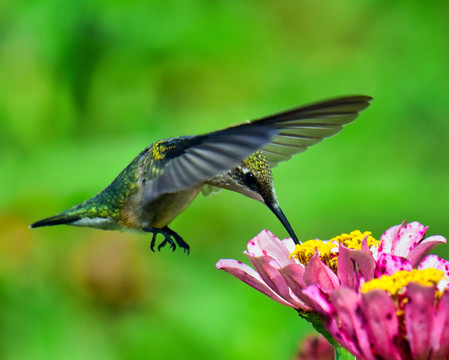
{"points": [[118, 206], [167, 175]]}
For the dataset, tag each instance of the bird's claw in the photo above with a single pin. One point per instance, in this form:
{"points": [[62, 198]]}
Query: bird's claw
{"points": [[153, 242], [169, 236], [167, 240], [179, 240]]}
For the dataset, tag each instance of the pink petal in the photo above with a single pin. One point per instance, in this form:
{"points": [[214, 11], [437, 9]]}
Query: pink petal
{"points": [[388, 237], [365, 247], [333, 327], [433, 261], [318, 273], [409, 235], [317, 300], [406, 240], [423, 248], [347, 306], [388, 264], [372, 251], [419, 313], [268, 269], [353, 264], [293, 275], [382, 323], [440, 332], [249, 276], [266, 243], [289, 244]]}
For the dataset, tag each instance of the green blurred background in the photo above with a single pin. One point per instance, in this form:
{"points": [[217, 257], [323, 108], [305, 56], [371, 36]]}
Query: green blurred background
{"points": [[86, 85]]}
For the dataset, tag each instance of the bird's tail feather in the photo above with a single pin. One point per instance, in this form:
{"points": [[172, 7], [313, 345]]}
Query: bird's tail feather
{"points": [[62, 218]]}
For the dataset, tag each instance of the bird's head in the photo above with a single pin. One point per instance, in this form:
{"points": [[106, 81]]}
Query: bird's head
{"points": [[253, 178]]}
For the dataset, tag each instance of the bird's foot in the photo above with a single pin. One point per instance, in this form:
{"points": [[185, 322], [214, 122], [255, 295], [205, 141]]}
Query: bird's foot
{"points": [[169, 236], [179, 240]]}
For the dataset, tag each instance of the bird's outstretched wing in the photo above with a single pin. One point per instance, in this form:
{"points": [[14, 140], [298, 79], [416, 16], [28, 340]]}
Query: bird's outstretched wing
{"points": [[184, 162], [179, 163], [299, 128]]}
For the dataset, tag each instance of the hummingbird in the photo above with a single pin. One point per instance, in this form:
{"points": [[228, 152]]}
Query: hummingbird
{"points": [[167, 175]]}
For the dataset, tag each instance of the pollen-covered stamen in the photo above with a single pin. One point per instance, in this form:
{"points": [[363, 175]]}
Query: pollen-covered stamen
{"points": [[395, 284], [354, 239], [328, 250], [305, 251]]}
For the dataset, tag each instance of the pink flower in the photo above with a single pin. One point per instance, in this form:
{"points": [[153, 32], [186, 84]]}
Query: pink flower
{"points": [[282, 277], [337, 280], [400, 316]]}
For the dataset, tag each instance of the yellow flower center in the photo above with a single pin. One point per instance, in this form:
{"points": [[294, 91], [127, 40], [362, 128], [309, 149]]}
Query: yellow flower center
{"points": [[395, 283], [328, 250], [353, 240], [306, 250]]}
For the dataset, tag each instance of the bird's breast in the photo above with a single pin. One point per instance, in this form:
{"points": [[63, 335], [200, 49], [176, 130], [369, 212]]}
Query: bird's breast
{"points": [[159, 212], [168, 206]]}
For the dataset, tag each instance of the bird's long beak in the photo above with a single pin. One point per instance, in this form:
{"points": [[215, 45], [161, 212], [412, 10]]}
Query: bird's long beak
{"points": [[275, 208]]}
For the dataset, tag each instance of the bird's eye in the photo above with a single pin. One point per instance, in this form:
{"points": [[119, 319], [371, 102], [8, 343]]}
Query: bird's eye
{"points": [[250, 180]]}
